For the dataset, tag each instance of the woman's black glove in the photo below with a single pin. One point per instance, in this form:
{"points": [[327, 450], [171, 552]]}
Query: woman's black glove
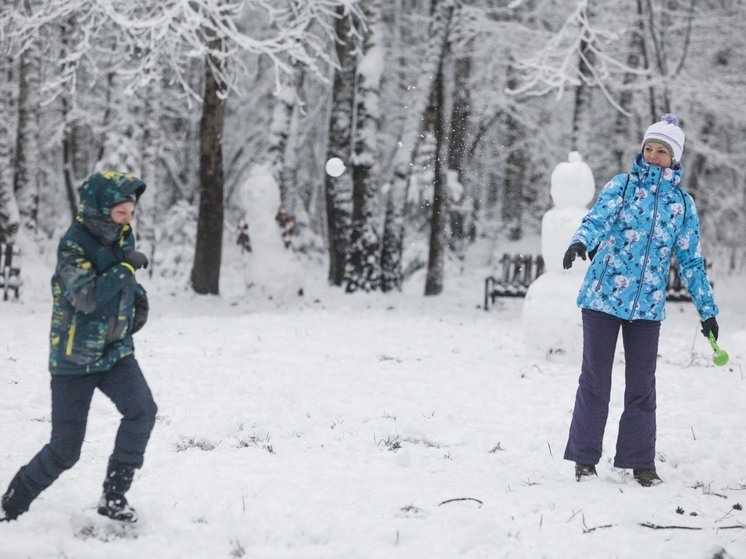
{"points": [[710, 325], [576, 249]]}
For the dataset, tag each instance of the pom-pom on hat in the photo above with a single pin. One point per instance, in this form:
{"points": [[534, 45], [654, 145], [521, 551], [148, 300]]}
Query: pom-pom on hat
{"points": [[667, 132]]}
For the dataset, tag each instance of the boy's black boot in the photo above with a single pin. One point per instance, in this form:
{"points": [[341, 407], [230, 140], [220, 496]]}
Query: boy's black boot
{"points": [[113, 502], [16, 500]]}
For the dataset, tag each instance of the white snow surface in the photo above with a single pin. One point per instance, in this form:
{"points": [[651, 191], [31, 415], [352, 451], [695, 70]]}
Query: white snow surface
{"points": [[378, 426]]}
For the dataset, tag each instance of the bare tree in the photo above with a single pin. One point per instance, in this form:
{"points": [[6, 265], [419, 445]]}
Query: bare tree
{"points": [[363, 266], [582, 108], [26, 179], [164, 44], [9, 215], [393, 235], [209, 247], [439, 216], [338, 190], [460, 212]]}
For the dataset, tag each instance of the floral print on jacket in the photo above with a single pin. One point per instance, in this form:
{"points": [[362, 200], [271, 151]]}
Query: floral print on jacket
{"points": [[638, 223]]}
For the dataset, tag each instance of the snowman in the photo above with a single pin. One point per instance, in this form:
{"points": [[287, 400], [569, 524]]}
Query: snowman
{"points": [[551, 320], [270, 269]]}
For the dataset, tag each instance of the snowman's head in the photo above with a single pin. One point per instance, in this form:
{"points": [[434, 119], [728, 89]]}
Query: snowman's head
{"points": [[572, 183]]}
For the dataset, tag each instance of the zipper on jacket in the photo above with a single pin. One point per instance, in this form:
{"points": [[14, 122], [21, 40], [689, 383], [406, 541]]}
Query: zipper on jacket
{"points": [[603, 273], [71, 337], [647, 247], [122, 234]]}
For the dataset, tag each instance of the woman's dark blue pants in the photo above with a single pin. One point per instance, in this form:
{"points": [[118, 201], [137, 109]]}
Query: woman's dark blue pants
{"points": [[635, 446]]}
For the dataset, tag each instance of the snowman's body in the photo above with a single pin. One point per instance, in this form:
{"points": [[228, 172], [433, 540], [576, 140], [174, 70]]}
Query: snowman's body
{"points": [[551, 320]]}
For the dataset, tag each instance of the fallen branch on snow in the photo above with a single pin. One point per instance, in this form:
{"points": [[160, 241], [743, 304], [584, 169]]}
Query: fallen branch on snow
{"points": [[659, 527], [462, 499]]}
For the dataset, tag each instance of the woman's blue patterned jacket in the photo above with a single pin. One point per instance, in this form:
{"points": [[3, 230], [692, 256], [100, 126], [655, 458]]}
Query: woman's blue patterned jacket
{"points": [[637, 223], [94, 295]]}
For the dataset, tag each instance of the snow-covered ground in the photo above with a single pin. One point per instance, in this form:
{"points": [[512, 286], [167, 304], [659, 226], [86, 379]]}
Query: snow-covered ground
{"points": [[371, 426]]}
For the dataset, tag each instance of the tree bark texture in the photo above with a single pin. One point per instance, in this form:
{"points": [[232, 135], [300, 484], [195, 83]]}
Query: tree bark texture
{"points": [[460, 216], [26, 179], [363, 266], [284, 123], [209, 246], [439, 218], [338, 190], [512, 198], [9, 215], [583, 92], [622, 122]]}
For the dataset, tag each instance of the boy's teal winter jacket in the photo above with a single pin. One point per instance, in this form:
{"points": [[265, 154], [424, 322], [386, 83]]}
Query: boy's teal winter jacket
{"points": [[95, 296], [637, 223]]}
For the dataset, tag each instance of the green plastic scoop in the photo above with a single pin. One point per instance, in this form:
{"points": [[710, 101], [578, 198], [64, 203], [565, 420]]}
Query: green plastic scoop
{"points": [[720, 356]]}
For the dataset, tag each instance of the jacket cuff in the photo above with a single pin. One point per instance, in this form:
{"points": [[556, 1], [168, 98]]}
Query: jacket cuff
{"points": [[129, 267]]}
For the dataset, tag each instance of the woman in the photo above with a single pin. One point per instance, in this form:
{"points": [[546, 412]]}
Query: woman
{"points": [[638, 222]]}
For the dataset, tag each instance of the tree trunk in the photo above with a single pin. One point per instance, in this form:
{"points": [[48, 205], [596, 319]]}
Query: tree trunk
{"points": [[655, 59], [462, 200], [363, 266], [209, 245], [281, 132], [581, 121], [75, 167], [339, 189], [26, 179], [150, 206], [512, 200], [9, 216], [622, 121], [393, 233], [68, 157], [438, 220]]}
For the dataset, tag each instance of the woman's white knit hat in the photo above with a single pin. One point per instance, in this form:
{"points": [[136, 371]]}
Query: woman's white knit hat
{"points": [[667, 132]]}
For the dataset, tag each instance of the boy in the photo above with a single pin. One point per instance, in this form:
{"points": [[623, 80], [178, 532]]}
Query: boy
{"points": [[97, 306]]}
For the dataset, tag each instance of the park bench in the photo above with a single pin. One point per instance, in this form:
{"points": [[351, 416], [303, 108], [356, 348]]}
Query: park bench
{"points": [[518, 271], [10, 272]]}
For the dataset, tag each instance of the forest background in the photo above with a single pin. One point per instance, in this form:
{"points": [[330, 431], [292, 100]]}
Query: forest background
{"points": [[448, 114]]}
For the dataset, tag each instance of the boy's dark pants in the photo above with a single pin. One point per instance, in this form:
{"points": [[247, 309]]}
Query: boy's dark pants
{"points": [[636, 439], [126, 387]]}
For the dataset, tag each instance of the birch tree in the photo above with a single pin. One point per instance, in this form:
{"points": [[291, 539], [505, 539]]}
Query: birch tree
{"points": [[283, 130]]}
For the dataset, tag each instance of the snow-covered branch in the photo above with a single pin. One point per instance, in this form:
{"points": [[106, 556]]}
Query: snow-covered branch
{"points": [[149, 39], [556, 65]]}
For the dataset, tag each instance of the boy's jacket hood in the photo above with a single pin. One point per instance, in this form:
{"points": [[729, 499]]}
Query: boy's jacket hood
{"points": [[98, 194]]}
